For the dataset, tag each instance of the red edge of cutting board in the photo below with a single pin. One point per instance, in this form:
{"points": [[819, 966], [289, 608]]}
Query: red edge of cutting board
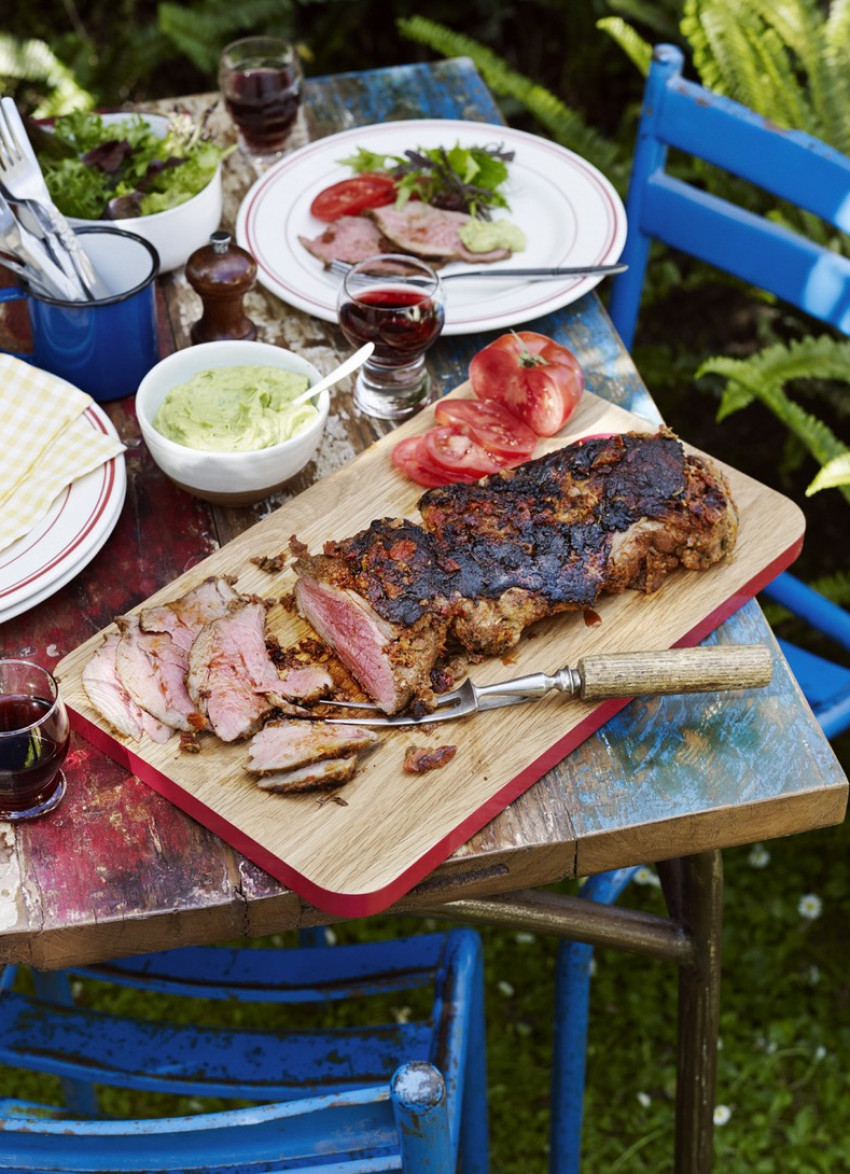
{"points": [[376, 901]]}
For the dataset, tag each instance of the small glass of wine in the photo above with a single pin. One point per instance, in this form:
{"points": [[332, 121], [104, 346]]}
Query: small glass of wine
{"points": [[396, 302], [260, 82], [34, 738]]}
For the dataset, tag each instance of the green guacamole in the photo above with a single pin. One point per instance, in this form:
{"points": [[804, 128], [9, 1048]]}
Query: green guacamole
{"points": [[235, 409], [482, 236]]}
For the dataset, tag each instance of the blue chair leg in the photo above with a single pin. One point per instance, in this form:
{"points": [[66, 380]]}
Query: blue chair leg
{"points": [[474, 1141], [418, 1094], [569, 1055]]}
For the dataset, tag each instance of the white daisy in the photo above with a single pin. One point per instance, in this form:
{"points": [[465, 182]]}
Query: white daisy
{"points": [[810, 906]]}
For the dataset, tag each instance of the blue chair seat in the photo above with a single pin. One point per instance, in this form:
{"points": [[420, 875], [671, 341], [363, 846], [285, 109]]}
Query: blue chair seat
{"points": [[355, 1096]]}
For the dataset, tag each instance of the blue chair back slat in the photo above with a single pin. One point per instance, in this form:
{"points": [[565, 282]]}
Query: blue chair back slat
{"points": [[755, 250], [188, 1060], [790, 164], [357, 1126], [309, 974]]}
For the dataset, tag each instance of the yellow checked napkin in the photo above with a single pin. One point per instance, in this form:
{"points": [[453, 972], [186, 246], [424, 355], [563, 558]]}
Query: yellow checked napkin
{"points": [[46, 444]]}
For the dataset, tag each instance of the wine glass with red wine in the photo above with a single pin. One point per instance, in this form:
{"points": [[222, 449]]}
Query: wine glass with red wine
{"points": [[34, 737], [396, 302], [260, 81]]}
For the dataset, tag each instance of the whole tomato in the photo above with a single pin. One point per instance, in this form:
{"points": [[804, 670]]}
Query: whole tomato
{"points": [[534, 377]]}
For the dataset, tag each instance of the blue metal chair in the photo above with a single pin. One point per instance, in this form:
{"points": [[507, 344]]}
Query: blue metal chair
{"points": [[405, 1095], [808, 173], [794, 167]]}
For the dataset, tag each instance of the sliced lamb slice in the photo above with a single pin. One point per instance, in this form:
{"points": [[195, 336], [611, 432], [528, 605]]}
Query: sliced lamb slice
{"points": [[350, 238], [318, 776], [230, 670], [307, 683], [430, 233], [183, 618], [152, 669], [112, 701], [288, 744]]}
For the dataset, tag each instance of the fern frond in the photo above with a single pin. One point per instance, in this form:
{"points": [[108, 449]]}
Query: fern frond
{"points": [[565, 126], [837, 26], [833, 475], [638, 51], [660, 15], [202, 30], [764, 375], [35, 61]]}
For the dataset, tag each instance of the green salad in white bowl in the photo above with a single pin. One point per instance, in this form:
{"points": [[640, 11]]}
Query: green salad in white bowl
{"points": [[152, 175]]}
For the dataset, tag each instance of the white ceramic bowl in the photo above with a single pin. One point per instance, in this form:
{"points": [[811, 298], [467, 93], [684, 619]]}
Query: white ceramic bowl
{"points": [[227, 478], [177, 232]]}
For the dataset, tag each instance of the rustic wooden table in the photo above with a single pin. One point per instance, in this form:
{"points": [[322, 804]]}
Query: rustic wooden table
{"points": [[118, 869]]}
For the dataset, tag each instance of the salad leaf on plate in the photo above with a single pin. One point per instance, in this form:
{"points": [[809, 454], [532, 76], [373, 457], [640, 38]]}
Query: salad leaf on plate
{"points": [[101, 171], [461, 179]]}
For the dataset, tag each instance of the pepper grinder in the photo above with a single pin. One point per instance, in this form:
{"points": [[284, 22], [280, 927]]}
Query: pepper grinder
{"points": [[221, 273]]}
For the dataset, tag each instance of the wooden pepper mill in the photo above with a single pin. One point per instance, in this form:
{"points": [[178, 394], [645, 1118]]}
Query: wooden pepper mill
{"points": [[221, 273]]}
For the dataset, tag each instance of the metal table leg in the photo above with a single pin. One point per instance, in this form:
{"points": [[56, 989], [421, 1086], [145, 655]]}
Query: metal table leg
{"points": [[690, 937]]}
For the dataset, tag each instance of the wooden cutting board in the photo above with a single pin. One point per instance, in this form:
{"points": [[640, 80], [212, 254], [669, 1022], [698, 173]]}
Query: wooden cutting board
{"points": [[356, 855]]}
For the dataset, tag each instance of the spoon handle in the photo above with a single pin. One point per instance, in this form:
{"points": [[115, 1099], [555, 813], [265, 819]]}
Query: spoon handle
{"points": [[351, 364]]}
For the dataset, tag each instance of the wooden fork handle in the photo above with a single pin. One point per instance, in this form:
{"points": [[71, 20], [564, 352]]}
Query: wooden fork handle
{"points": [[678, 670]]}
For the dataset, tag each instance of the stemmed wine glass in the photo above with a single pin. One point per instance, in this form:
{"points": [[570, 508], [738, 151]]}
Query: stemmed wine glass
{"points": [[34, 737], [396, 302]]}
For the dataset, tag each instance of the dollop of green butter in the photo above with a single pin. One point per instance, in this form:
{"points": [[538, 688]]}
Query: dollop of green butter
{"points": [[482, 236], [235, 409]]}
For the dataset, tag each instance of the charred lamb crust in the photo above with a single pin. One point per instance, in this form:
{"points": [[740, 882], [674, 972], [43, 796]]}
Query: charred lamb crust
{"points": [[549, 536]]}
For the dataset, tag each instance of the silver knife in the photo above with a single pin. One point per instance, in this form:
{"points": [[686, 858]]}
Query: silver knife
{"points": [[538, 274]]}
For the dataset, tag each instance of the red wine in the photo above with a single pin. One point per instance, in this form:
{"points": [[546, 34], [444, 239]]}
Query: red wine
{"points": [[30, 760], [263, 102], [401, 323]]}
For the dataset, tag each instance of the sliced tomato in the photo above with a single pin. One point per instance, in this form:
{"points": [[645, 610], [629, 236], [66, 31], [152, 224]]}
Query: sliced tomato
{"points": [[532, 376], [449, 448], [491, 425], [350, 197], [408, 456]]}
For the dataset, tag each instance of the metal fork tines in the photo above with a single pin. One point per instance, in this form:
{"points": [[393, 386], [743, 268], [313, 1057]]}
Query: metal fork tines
{"points": [[22, 178]]}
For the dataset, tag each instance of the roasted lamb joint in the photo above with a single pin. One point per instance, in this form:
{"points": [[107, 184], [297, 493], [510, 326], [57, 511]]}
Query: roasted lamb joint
{"points": [[492, 557]]}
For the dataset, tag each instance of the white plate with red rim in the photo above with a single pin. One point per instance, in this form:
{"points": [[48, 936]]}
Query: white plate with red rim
{"points": [[69, 535], [570, 213]]}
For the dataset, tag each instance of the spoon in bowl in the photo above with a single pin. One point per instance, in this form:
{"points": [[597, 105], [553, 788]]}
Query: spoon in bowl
{"points": [[351, 364]]}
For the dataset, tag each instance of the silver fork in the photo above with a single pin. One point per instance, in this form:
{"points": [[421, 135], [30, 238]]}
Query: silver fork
{"points": [[21, 174]]}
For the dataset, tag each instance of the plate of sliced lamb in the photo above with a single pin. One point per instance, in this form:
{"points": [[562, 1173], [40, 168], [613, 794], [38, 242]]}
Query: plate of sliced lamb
{"points": [[567, 211]]}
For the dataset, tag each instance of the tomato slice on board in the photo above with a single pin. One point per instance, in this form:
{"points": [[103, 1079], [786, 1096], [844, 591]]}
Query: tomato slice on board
{"points": [[452, 450], [491, 425], [350, 197], [409, 458], [531, 375]]}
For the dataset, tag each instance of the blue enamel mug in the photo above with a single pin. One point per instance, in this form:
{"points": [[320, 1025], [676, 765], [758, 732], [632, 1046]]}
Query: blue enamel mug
{"points": [[104, 347]]}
